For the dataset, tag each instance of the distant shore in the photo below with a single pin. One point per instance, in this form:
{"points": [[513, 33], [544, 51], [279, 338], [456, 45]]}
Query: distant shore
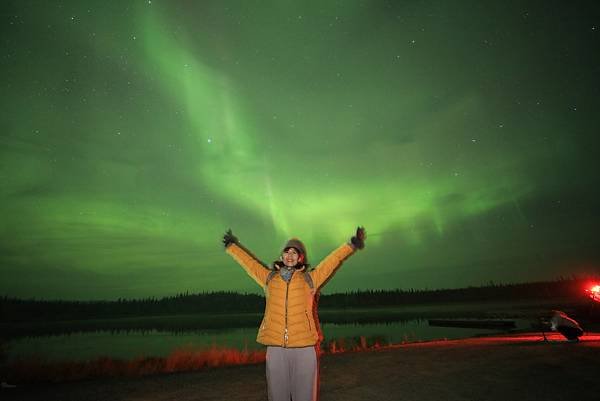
{"points": [[15, 310], [508, 367], [501, 308]]}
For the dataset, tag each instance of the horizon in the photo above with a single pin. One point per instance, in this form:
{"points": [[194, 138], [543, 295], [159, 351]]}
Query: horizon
{"points": [[587, 279], [462, 137]]}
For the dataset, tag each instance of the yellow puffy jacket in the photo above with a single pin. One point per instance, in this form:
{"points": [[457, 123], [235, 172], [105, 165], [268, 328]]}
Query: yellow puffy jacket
{"points": [[290, 311]]}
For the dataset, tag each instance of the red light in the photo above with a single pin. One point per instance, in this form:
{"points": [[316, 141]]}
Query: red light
{"points": [[594, 292]]}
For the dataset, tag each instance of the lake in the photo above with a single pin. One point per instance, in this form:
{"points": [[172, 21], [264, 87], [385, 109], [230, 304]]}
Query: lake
{"points": [[128, 344]]}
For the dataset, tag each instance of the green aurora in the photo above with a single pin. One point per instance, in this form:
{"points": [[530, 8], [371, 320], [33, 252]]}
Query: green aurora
{"points": [[463, 136]]}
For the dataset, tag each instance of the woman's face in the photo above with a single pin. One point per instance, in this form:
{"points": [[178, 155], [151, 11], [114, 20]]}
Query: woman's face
{"points": [[290, 257]]}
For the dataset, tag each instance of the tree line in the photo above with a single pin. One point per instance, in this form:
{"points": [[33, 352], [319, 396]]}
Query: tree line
{"points": [[226, 302]]}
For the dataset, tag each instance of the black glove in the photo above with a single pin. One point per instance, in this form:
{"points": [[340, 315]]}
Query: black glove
{"points": [[229, 238], [358, 241]]}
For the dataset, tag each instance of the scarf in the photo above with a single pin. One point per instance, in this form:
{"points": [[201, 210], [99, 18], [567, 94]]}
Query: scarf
{"points": [[286, 273]]}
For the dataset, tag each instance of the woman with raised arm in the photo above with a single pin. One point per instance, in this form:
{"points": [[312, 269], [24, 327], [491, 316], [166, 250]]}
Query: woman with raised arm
{"points": [[290, 327]]}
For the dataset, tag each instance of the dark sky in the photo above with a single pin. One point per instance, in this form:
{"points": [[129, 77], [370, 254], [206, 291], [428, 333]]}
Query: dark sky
{"points": [[462, 135]]}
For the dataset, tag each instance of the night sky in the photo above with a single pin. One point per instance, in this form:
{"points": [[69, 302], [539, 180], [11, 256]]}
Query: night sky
{"points": [[463, 135]]}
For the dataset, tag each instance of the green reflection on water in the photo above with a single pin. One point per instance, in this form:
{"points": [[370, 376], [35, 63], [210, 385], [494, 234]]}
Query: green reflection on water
{"points": [[136, 343]]}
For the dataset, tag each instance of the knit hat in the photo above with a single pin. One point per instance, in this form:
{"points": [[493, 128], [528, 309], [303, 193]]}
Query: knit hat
{"points": [[299, 246]]}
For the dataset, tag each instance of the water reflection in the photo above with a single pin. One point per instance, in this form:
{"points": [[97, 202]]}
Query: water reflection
{"points": [[130, 343], [200, 323]]}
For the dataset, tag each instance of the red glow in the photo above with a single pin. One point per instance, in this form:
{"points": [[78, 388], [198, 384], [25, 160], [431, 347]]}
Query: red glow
{"points": [[594, 292]]}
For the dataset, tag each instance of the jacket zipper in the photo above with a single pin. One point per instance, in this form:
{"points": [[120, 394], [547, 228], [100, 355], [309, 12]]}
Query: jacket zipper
{"points": [[285, 333]]}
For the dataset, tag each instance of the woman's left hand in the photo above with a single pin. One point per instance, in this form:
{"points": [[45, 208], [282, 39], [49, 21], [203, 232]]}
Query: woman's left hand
{"points": [[359, 239]]}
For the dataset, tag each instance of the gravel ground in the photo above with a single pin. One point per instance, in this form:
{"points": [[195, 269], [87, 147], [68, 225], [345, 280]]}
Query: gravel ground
{"points": [[517, 367]]}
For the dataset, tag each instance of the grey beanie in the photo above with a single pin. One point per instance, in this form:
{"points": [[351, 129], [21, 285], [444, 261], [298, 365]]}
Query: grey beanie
{"points": [[297, 244]]}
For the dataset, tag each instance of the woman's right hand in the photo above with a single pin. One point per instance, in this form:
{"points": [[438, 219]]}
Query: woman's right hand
{"points": [[229, 238]]}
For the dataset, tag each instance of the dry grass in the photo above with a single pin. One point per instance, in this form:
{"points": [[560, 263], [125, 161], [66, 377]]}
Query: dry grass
{"points": [[357, 344], [180, 360]]}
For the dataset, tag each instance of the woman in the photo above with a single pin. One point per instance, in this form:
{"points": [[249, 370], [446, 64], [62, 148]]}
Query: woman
{"points": [[290, 327]]}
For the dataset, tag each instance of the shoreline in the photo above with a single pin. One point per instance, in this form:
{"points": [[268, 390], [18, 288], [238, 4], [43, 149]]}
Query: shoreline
{"points": [[500, 367], [34, 369]]}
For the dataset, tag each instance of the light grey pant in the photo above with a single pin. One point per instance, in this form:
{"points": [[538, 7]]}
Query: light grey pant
{"points": [[292, 373]]}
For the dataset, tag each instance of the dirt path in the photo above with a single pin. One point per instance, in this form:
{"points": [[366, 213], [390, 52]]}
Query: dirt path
{"points": [[494, 368]]}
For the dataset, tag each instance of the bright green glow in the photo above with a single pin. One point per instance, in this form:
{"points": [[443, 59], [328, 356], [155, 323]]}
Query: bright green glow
{"points": [[230, 165], [147, 131]]}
